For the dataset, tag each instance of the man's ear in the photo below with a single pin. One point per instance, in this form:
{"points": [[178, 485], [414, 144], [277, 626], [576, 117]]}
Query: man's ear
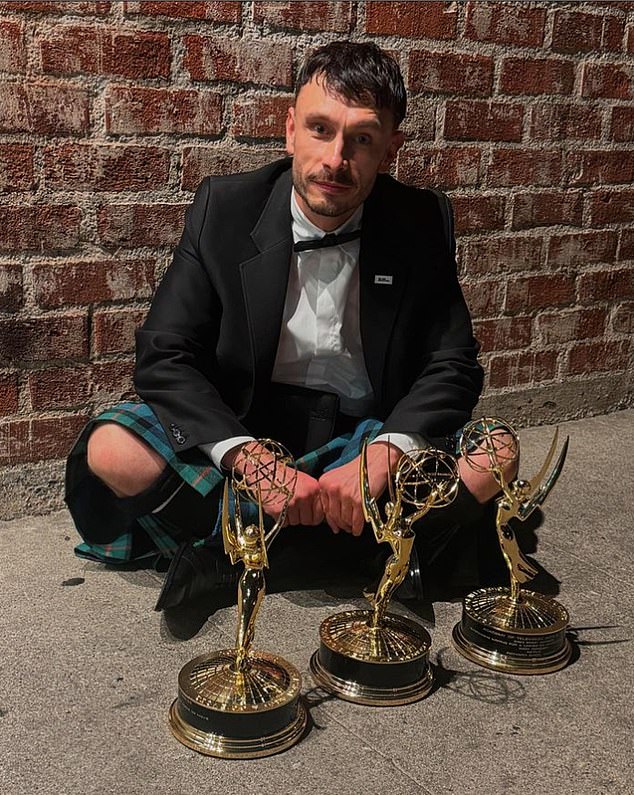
{"points": [[398, 139], [290, 131]]}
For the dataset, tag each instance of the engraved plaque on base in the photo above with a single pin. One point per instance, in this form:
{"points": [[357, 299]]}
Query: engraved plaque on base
{"points": [[512, 629]]}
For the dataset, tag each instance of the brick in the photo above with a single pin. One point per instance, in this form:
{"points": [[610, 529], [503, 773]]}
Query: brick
{"points": [[12, 49], [526, 368], [420, 122], [39, 227], [599, 167], [200, 162], [555, 122], [9, 397], [239, 60], [113, 330], [581, 248], [547, 208], [16, 167], [44, 338], [112, 382], [146, 111], [61, 7], [39, 439], [613, 33], [89, 167], [623, 319], [539, 292], [483, 121], [81, 49], [576, 32], [606, 285], [228, 12], [499, 255], [140, 224], [484, 296], [537, 76], [335, 17], [503, 333], [615, 4], [59, 388], [434, 21], [448, 168], [555, 328], [11, 295], [260, 116], [43, 108], [622, 123], [450, 73], [607, 207], [524, 167], [602, 357], [478, 213], [608, 80], [626, 249], [505, 23], [92, 282]]}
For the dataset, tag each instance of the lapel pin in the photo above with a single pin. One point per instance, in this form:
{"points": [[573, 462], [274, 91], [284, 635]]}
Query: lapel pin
{"points": [[381, 279]]}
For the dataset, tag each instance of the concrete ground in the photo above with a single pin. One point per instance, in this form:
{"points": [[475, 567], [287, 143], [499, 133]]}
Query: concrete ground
{"points": [[89, 670]]}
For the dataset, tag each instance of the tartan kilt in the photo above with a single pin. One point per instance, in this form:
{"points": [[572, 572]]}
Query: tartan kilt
{"points": [[111, 526]]}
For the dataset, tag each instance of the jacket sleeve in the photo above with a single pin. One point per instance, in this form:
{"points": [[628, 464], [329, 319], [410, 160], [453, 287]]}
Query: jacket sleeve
{"points": [[176, 346]]}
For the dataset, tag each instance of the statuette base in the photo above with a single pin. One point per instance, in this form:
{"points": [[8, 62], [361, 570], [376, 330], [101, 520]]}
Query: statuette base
{"points": [[383, 666], [526, 635], [238, 715]]}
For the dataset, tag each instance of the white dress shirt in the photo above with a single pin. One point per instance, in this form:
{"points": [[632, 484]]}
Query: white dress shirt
{"points": [[320, 339]]}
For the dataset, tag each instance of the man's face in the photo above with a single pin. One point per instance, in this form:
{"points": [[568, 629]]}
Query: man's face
{"points": [[338, 149]]}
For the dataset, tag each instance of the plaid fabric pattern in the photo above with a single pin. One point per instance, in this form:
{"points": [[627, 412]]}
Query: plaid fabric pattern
{"points": [[202, 476], [139, 418]]}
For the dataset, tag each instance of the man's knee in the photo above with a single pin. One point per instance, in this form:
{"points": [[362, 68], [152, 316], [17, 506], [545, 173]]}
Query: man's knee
{"points": [[122, 461]]}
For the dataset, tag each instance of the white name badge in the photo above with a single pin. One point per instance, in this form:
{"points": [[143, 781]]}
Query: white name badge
{"points": [[378, 279]]}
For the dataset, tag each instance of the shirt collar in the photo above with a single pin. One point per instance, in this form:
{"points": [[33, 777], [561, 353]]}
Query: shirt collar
{"points": [[303, 229]]}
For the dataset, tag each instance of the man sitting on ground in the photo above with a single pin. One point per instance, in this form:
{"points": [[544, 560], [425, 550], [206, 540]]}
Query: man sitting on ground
{"points": [[313, 301]]}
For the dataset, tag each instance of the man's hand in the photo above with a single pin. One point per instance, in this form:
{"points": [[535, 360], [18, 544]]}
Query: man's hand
{"points": [[303, 508], [341, 491]]}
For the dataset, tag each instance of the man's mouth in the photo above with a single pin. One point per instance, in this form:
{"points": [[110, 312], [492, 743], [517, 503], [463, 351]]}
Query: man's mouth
{"points": [[332, 186]]}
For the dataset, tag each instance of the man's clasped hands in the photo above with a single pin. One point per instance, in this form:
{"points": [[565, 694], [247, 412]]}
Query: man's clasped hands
{"points": [[334, 498]]}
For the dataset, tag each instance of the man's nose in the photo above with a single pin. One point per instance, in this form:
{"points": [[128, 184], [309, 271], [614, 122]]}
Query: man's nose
{"points": [[335, 155]]}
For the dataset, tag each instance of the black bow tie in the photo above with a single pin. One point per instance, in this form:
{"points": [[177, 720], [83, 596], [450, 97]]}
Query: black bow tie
{"points": [[331, 239]]}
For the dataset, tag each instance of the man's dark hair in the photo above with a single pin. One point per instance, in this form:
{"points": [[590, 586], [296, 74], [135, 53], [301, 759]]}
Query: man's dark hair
{"points": [[360, 72]]}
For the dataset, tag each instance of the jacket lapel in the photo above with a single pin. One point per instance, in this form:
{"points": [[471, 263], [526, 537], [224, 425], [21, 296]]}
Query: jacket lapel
{"points": [[265, 277], [382, 280]]}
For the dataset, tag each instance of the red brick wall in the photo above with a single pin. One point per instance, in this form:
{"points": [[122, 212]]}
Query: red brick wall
{"points": [[111, 112]]}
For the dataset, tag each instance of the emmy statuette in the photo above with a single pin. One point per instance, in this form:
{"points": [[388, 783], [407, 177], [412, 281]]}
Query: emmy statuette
{"points": [[372, 656], [241, 703], [514, 630]]}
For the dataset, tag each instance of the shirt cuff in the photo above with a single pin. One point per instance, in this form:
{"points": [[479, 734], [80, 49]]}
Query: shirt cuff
{"points": [[217, 450], [406, 442]]}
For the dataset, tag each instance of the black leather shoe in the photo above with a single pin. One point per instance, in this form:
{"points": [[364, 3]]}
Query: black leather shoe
{"points": [[197, 573]]}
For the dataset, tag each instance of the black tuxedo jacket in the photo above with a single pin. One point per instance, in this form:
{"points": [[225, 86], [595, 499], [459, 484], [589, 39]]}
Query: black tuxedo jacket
{"points": [[206, 351]]}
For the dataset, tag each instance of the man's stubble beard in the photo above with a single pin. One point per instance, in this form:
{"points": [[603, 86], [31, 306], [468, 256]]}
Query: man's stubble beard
{"points": [[326, 208]]}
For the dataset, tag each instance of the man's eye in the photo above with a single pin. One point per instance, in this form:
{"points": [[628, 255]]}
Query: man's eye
{"points": [[364, 139], [319, 129]]}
